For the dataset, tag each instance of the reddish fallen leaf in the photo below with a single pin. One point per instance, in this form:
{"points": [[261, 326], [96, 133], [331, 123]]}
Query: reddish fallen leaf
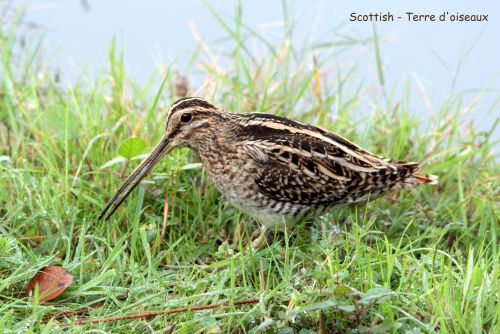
{"points": [[51, 281]]}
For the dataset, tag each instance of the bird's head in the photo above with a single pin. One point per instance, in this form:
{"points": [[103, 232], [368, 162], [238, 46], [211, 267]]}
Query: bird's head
{"points": [[189, 121]]}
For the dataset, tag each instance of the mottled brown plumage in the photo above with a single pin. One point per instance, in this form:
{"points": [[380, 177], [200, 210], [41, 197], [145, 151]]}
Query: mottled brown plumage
{"points": [[275, 169]]}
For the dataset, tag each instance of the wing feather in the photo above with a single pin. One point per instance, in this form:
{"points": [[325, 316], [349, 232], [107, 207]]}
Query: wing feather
{"points": [[301, 167]]}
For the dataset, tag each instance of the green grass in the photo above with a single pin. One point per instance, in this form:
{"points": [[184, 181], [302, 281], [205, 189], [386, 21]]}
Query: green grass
{"points": [[425, 262]]}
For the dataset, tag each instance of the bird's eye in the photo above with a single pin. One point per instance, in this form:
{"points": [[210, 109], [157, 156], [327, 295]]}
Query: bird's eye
{"points": [[186, 117]]}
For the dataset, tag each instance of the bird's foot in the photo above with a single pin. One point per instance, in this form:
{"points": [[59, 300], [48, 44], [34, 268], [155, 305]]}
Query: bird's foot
{"points": [[259, 238]]}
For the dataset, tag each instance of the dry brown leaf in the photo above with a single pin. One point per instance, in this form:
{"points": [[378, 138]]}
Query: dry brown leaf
{"points": [[51, 281]]}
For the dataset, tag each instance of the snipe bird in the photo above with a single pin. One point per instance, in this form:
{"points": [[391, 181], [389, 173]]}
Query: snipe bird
{"points": [[277, 170]]}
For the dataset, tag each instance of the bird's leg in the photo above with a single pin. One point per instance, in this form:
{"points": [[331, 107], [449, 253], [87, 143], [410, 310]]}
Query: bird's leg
{"points": [[259, 237], [257, 240], [256, 232]]}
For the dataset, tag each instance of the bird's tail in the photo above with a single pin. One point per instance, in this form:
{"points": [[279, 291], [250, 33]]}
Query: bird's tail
{"points": [[421, 178], [411, 177]]}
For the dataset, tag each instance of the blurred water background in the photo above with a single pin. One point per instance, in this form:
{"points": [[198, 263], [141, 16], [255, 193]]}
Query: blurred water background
{"points": [[435, 57]]}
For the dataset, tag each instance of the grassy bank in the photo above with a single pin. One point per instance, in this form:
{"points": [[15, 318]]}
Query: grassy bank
{"points": [[420, 261]]}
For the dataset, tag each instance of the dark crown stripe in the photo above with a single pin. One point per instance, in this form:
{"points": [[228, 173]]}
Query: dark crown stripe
{"points": [[190, 102]]}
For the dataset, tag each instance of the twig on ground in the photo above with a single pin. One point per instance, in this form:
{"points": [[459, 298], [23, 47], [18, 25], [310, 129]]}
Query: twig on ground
{"points": [[80, 311], [171, 329], [162, 312]]}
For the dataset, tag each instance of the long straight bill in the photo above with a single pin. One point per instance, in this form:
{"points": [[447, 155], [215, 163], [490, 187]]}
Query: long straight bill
{"points": [[135, 177]]}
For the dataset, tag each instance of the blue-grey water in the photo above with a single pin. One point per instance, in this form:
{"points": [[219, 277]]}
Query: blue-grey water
{"points": [[158, 31]]}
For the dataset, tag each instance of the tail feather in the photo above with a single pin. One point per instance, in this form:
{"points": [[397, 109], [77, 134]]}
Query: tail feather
{"points": [[421, 178], [411, 176]]}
